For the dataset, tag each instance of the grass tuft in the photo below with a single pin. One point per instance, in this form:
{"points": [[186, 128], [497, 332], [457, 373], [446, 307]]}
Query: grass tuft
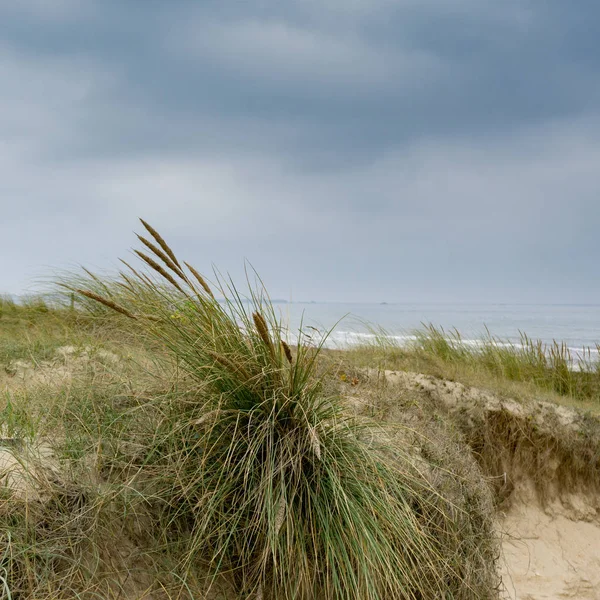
{"points": [[259, 475], [551, 367]]}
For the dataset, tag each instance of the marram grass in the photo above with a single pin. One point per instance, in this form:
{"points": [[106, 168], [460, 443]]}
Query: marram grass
{"points": [[263, 478], [552, 367]]}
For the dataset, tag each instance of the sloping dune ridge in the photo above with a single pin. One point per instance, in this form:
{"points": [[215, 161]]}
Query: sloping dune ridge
{"points": [[544, 462]]}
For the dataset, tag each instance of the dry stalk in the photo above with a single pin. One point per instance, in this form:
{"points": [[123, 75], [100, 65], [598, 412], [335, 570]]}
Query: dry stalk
{"points": [[280, 515], [108, 303], [200, 279], [130, 268], [287, 351], [314, 442], [158, 252], [127, 286], [160, 242], [229, 364], [128, 280], [152, 263], [94, 277], [263, 331]]}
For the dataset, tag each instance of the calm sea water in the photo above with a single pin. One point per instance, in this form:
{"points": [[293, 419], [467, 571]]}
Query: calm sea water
{"points": [[577, 325]]}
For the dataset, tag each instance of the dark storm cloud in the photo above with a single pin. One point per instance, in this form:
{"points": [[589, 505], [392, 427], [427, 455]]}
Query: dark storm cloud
{"points": [[376, 78], [421, 146]]}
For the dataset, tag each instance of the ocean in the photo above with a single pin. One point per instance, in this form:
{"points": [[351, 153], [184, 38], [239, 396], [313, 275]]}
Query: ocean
{"points": [[578, 325]]}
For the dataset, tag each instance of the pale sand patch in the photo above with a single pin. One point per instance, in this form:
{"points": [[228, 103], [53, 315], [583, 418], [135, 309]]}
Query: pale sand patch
{"points": [[68, 361], [549, 557], [26, 472]]}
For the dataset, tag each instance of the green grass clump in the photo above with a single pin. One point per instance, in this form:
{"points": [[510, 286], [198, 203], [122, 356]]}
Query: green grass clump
{"points": [[32, 329], [259, 476], [549, 367], [44, 544]]}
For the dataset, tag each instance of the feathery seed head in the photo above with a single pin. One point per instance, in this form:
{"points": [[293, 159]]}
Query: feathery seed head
{"points": [[315, 444], [160, 242], [200, 279], [152, 263], [160, 254], [109, 303], [287, 351], [263, 330]]}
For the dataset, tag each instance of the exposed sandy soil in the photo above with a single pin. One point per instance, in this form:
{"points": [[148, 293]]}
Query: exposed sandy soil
{"points": [[551, 549], [24, 470], [68, 361], [549, 557], [30, 473]]}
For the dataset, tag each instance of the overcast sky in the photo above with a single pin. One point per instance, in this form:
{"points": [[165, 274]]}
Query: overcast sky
{"points": [[351, 150]]}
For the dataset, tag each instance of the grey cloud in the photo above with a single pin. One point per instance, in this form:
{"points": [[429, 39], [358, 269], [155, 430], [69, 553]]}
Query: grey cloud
{"points": [[313, 81], [440, 216], [350, 150], [276, 51]]}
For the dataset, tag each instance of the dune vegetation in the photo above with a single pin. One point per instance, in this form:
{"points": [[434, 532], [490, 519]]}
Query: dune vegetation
{"points": [[529, 368], [162, 437]]}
